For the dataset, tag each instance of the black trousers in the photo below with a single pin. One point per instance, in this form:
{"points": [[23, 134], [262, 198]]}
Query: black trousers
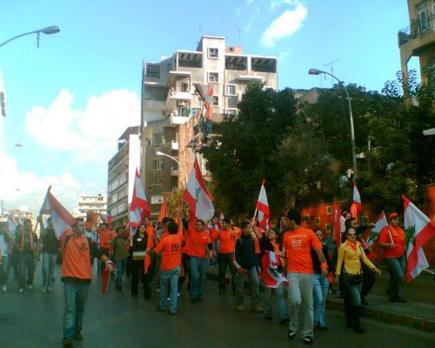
{"points": [[224, 260], [137, 271]]}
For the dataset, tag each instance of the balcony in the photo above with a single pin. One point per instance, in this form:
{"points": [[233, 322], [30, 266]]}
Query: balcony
{"points": [[178, 120], [177, 99], [420, 29]]}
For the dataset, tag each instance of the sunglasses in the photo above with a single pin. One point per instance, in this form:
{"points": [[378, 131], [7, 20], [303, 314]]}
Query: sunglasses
{"points": [[351, 235]]}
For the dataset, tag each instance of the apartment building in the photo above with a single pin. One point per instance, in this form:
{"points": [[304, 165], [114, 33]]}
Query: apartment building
{"points": [[418, 40], [121, 173], [170, 100], [92, 203]]}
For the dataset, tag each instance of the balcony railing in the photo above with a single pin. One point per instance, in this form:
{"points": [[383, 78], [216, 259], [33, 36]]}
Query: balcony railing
{"points": [[416, 30]]}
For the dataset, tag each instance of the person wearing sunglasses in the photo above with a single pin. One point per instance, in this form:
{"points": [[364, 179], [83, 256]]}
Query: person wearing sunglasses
{"points": [[350, 255]]}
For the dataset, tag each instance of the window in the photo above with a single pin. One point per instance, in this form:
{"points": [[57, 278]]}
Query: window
{"points": [[184, 87], [157, 139], [184, 112], [215, 100], [230, 89], [158, 164], [231, 112], [213, 77], [423, 16], [213, 53]]}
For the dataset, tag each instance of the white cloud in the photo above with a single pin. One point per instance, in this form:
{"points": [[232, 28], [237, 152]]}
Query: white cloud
{"points": [[90, 133], [285, 25]]}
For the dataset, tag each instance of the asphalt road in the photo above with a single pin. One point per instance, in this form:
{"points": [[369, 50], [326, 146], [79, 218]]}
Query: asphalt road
{"points": [[115, 319]]}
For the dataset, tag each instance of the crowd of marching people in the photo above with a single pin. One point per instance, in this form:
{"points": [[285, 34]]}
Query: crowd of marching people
{"points": [[296, 266]]}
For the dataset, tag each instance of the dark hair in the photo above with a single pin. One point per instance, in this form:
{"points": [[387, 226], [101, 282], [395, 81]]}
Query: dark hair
{"points": [[201, 221], [172, 228], [244, 224], [348, 222], [226, 220], [293, 214], [167, 220]]}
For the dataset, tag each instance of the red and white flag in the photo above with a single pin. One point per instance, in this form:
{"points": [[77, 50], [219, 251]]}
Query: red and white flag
{"points": [[62, 219], [272, 278], [139, 205], [356, 206], [419, 229], [381, 222], [339, 227], [197, 196], [262, 208]]}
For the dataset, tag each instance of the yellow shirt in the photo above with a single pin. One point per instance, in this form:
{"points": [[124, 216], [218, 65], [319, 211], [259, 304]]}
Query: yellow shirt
{"points": [[352, 259]]}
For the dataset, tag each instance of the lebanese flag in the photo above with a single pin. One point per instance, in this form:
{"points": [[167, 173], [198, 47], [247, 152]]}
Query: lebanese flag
{"points": [[62, 219], [197, 196], [381, 222], [262, 207], [139, 204], [339, 227], [272, 278], [419, 229], [356, 207], [163, 210]]}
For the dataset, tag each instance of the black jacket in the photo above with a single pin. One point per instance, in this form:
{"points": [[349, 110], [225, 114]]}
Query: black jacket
{"points": [[245, 252]]}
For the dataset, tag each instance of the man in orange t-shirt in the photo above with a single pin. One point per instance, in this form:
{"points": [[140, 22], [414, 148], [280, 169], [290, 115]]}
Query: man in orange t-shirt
{"points": [[227, 241], [170, 249], [298, 243], [76, 276], [199, 246], [392, 239]]}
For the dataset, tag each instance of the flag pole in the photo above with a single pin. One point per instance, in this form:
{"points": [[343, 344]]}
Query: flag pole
{"points": [[256, 210]]}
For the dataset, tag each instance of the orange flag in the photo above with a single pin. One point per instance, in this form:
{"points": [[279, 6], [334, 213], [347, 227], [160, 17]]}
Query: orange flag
{"points": [[163, 210]]}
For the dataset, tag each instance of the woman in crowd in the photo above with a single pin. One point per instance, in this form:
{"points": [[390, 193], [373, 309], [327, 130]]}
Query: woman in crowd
{"points": [[137, 265], [350, 255], [320, 286]]}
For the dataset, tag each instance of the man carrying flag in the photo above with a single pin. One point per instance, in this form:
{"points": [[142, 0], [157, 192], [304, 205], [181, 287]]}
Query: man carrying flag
{"points": [[392, 240]]}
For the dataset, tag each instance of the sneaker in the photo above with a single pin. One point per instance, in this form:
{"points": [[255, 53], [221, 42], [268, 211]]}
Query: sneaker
{"points": [[257, 309], [78, 336], [44, 290], [67, 342], [241, 308], [157, 289], [49, 289], [308, 340], [4, 288], [21, 290], [178, 294], [291, 334], [30, 287]]}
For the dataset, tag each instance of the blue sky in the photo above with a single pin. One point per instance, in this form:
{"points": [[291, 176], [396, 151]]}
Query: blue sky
{"points": [[69, 100]]}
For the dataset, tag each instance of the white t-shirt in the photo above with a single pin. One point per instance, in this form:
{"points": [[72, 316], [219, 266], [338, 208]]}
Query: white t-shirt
{"points": [[3, 246]]}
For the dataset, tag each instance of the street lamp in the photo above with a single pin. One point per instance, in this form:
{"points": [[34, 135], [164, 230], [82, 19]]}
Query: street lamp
{"points": [[159, 153], [48, 31], [352, 130]]}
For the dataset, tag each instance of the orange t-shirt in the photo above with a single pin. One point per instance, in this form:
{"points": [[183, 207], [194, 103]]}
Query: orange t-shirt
{"points": [[227, 241], [197, 242], [76, 258], [398, 236], [170, 247], [298, 244], [214, 233]]}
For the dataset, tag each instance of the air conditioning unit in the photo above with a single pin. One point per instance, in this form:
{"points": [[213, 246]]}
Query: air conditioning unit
{"points": [[181, 103]]}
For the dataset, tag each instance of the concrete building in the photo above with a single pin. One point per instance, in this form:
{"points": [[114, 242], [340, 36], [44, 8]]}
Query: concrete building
{"points": [[121, 173], [171, 107], [418, 40], [92, 203]]}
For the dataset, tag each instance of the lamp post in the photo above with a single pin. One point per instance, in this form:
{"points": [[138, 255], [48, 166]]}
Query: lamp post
{"points": [[48, 31], [159, 153], [352, 130]]}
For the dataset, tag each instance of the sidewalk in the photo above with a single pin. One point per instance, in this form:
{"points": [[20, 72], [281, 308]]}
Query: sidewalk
{"points": [[418, 313]]}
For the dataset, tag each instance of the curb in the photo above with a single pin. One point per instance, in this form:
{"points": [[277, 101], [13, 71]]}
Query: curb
{"points": [[410, 321]]}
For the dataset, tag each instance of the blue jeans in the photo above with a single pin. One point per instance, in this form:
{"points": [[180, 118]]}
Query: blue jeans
{"points": [[76, 295], [320, 291], [169, 277], [27, 261], [352, 295], [48, 262], [280, 300], [198, 267], [4, 271], [252, 275], [397, 267], [120, 269]]}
